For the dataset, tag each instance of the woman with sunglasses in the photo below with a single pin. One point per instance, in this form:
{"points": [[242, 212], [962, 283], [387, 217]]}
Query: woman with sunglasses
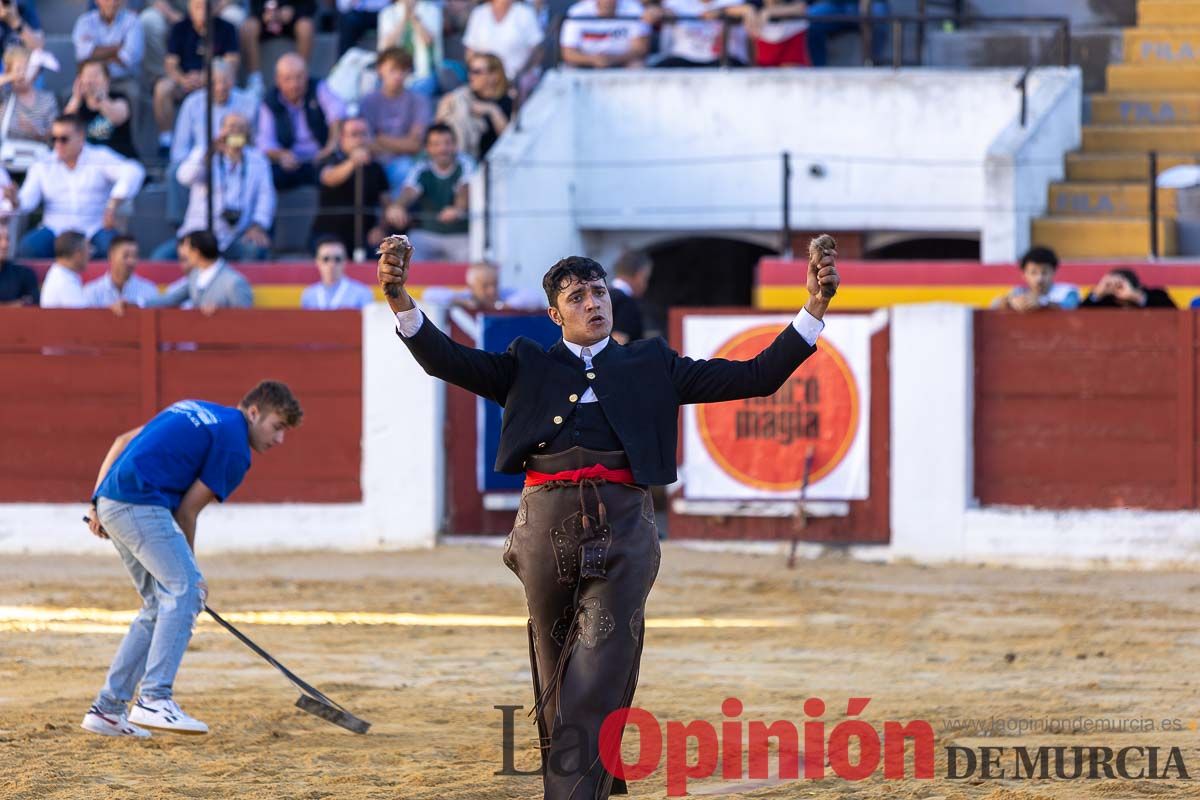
{"points": [[478, 112]]}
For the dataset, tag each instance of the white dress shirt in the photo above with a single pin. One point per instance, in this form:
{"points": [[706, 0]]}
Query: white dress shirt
{"points": [[74, 199], [63, 288], [409, 322]]}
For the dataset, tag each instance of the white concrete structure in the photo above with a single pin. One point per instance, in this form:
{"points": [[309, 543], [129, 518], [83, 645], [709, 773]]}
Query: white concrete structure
{"points": [[604, 159], [401, 469]]}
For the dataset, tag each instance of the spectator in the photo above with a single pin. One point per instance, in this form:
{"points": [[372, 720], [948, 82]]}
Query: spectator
{"points": [[120, 284], [483, 293], [276, 19], [33, 110], [355, 18], [508, 29], [113, 35], [350, 179], [820, 31], [81, 186], [334, 290], [700, 43], [18, 283], [1038, 267], [608, 42], [157, 19], [244, 199], [438, 188], [478, 112], [1121, 288], [209, 283], [416, 27], [105, 116], [779, 39], [397, 117], [63, 286], [298, 124], [20, 26], [629, 284], [184, 63]]}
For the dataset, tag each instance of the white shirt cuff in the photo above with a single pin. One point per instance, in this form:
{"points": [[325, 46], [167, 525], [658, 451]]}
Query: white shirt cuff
{"points": [[409, 322], [808, 326]]}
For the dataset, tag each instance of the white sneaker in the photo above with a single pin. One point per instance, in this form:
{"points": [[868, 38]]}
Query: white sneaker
{"points": [[97, 721], [165, 715]]}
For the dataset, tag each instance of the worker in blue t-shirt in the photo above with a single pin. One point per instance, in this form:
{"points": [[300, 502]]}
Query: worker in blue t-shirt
{"points": [[152, 486]]}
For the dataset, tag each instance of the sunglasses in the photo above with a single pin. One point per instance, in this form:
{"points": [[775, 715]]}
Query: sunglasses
{"points": [[480, 71], [331, 259], [59, 139]]}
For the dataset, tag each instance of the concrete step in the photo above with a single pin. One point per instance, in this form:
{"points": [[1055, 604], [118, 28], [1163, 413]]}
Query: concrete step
{"points": [[1153, 77], [1157, 108], [1120, 166], [1168, 12], [1103, 237], [1141, 138], [1127, 199], [1173, 45]]}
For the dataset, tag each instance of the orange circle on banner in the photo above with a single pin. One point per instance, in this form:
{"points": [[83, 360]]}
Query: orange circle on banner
{"points": [[762, 441]]}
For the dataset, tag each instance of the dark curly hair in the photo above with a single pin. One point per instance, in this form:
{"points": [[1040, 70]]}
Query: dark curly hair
{"points": [[566, 272]]}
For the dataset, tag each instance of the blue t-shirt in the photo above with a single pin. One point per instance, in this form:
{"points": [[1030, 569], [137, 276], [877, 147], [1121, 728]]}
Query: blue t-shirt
{"points": [[189, 440]]}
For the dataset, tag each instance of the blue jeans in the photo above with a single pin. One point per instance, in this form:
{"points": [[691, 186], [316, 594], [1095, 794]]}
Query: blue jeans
{"points": [[39, 243], [819, 32], [165, 574]]}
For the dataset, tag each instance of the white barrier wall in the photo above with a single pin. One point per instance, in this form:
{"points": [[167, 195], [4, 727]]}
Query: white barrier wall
{"points": [[701, 151], [401, 471]]}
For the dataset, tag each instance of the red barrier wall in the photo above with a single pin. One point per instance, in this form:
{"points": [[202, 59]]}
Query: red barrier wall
{"points": [[70, 381], [1086, 409]]}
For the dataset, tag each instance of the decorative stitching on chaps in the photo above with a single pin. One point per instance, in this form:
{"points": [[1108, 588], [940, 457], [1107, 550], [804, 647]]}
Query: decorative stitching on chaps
{"points": [[595, 622], [595, 553], [562, 625], [566, 554], [635, 624]]}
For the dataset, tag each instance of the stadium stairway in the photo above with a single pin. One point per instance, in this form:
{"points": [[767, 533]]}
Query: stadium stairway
{"points": [[1152, 103]]}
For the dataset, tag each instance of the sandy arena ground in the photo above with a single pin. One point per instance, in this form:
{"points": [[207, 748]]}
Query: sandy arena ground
{"points": [[922, 643]]}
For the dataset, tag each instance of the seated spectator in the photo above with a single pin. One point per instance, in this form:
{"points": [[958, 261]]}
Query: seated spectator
{"points": [[157, 18], [437, 192], [483, 293], [18, 283], [631, 278], [63, 286], [105, 116], [415, 26], [351, 178], [298, 124], [243, 199], [184, 63], [397, 117], [114, 35], [276, 19], [209, 282], [602, 43], [780, 40], [820, 31], [1038, 267], [33, 110], [1121, 288], [478, 112], [356, 18], [334, 290], [699, 43], [508, 29], [120, 284], [20, 26], [80, 187]]}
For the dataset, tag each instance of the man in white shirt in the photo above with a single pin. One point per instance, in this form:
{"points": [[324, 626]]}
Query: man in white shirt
{"points": [[698, 43], [63, 287], [622, 39], [80, 187], [505, 28], [120, 284], [334, 290]]}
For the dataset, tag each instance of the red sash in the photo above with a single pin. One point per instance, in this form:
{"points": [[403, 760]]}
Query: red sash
{"points": [[593, 472]]}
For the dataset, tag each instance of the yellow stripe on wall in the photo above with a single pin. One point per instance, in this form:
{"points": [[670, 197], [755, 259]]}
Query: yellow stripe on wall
{"points": [[772, 298], [287, 295]]}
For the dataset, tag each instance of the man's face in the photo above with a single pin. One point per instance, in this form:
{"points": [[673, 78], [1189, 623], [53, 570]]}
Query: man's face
{"points": [[584, 310], [222, 85], [292, 79], [196, 12], [606, 8], [354, 135], [266, 430], [67, 140], [108, 8], [441, 148], [234, 131], [392, 76], [122, 260], [1038, 277], [331, 262], [93, 78], [4, 242], [184, 251], [484, 284]]}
